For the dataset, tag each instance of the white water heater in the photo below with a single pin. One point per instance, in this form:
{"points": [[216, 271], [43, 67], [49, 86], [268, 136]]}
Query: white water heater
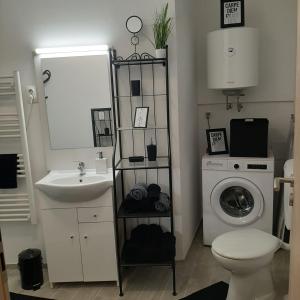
{"points": [[232, 58]]}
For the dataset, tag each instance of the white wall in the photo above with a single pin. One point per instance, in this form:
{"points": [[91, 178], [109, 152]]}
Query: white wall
{"points": [[26, 25], [274, 97], [187, 121]]}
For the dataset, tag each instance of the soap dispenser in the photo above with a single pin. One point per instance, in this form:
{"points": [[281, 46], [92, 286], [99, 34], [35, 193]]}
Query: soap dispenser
{"points": [[101, 163]]}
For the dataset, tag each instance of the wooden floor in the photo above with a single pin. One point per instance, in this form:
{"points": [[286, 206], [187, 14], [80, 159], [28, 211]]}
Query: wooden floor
{"points": [[198, 271]]}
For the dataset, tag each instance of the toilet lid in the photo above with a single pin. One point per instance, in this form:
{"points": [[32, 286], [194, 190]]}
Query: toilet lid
{"points": [[245, 244]]}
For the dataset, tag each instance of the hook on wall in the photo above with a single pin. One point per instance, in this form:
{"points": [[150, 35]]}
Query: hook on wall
{"points": [[48, 74]]}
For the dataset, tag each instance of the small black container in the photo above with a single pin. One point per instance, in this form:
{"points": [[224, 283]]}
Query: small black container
{"points": [[31, 269], [152, 152]]}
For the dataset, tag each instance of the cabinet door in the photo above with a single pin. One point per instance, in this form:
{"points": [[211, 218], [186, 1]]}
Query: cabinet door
{"points": [[62, 245], [98, 251]]}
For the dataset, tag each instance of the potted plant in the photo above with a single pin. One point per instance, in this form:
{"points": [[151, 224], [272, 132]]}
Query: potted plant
{"points": [[162, 28]]}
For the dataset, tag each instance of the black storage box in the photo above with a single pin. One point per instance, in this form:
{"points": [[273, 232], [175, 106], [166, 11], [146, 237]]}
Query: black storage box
{"points": [[31, 269], [249, 137]]}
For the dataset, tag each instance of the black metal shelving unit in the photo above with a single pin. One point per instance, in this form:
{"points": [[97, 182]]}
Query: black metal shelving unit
{"points": [[147, 68]]}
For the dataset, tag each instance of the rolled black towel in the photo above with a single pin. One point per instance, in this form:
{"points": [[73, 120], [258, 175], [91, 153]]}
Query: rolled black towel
{"points": [[139, 191], [146, 205], [153, 192], [163, 204], [132, 206]]}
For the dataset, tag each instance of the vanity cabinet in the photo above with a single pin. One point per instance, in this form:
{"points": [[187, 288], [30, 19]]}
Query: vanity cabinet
{"points": [[98, 261], [61, 233], [80, 244]]}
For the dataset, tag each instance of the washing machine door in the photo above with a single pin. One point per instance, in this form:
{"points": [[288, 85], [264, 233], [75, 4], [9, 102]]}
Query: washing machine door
{"points": [[237, 201]]}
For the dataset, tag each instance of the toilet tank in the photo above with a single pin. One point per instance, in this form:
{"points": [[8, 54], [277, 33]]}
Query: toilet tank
{"points": [[232, 58], [288, 172]]}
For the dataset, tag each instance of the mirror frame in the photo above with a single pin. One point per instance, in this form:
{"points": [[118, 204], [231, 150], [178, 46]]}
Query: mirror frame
{"points": [[136, 17], [51, 155]]}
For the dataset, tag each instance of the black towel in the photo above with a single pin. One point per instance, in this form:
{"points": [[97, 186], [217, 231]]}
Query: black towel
{"points": [[8, 171], [133, 206], [145, 233], [148, 243], [153, 192]]}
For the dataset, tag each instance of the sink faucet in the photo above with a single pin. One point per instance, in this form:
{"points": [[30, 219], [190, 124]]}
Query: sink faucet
{"points": [[81, 168]]}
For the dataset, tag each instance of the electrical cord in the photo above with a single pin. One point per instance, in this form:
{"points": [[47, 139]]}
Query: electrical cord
{"points": [[208, 115], [29, 116], [31, 94]]}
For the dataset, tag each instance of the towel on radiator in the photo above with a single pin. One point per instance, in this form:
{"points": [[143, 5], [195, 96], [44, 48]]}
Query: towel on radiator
{"points": [[8, 171], [163, 204], [139, 191]]}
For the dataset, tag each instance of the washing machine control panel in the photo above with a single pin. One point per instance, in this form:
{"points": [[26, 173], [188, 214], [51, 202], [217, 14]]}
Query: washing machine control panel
{"points": [[257, 167], [241, 164], [249, 166]]}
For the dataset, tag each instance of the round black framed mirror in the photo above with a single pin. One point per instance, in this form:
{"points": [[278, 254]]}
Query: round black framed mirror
{"points": [[134, 24]]}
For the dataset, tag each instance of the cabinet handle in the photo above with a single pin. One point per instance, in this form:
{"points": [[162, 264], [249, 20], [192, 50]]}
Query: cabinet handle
{"points": [[95, 216], [85, 237], [72, 237]]}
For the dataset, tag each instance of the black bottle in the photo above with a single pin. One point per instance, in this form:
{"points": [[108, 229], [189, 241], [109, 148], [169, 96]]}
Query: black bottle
{"points": [[152, 152]]}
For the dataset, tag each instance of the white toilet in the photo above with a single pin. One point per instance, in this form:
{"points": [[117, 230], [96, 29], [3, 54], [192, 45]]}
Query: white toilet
{"points": [[248, 253]]}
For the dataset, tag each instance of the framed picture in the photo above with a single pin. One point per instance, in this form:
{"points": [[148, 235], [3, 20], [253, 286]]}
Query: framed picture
{"points": [[141, 117], [232, 13], [217, 141]]}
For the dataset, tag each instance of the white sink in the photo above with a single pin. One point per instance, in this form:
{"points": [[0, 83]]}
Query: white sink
{"points": [[71, 187]]}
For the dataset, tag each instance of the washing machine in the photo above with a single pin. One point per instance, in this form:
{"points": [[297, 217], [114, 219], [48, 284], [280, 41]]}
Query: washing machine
{"points": [[237, 193]]}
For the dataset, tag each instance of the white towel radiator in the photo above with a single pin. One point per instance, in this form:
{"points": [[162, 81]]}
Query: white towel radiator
{"points": [[16, 205]]}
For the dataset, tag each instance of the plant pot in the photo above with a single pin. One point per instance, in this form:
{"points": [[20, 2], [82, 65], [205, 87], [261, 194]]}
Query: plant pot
{"points": [[161, 53]]}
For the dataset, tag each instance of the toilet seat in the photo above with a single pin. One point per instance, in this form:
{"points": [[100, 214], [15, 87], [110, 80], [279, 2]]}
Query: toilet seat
{"points": [[245, 244]]}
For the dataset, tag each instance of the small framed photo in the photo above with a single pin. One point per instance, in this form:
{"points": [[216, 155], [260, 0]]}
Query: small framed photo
{"points": [[232, 13], [141, 117], [217, 141]]}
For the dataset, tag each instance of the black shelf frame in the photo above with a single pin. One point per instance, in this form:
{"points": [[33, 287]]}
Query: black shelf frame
{"points": [[121, 163], [150, 264], [122, 213], [136, 62]]}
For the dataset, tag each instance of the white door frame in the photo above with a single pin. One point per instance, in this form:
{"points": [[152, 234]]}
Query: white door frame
{"points": [[294, 287]]}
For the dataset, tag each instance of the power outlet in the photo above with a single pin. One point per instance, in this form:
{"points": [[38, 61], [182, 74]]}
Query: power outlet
{"points": [[31, 94]]}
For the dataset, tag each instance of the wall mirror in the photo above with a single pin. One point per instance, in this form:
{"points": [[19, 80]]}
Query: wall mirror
{"points": [[77, 99], [134, 24]]}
